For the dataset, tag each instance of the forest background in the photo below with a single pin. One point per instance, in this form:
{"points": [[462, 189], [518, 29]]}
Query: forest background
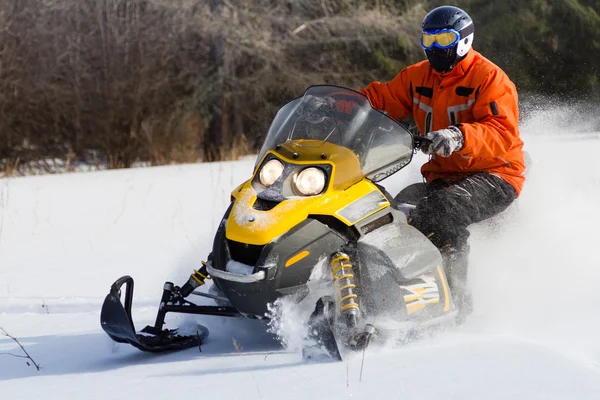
{"points": [[118, 83]]}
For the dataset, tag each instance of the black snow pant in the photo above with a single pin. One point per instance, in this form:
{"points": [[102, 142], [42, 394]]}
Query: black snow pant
{"points": [[444, 210]]}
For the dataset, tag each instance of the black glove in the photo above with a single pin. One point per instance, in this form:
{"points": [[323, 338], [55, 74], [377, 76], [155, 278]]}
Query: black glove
{"points": [[444, 141]]}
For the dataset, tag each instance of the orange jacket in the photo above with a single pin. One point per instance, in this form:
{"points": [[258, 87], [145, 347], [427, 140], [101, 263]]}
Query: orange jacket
{"points": [[478, 97]]}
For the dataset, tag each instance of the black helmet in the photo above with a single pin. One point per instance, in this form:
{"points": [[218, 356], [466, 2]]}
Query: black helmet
{"points": [[446, 36]]}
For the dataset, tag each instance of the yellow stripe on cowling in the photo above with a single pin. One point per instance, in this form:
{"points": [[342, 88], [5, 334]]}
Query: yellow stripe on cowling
{"points": [[446, 297], [296, 258], [412, 297]]}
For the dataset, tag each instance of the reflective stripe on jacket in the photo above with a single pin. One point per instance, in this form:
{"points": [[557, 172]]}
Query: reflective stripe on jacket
{"points": [[478, 97]]}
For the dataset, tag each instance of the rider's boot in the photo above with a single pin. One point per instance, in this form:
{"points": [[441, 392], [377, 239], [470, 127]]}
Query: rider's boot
{"points": [[456, 268]]}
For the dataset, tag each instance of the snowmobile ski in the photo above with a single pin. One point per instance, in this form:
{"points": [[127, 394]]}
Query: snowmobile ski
{"points": [[117, 322], [324, 344]]}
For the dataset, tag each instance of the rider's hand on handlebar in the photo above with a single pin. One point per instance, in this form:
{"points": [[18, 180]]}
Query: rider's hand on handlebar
{"points": [[327, 106], [444, 141], [314, 103], [315, 109], [345, 106]]}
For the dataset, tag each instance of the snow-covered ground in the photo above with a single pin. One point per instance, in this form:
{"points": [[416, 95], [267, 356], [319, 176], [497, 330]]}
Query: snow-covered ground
{"points": [[64, 239]]}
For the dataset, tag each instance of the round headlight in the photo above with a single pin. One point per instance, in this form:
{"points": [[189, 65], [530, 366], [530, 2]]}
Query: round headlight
{"points": [[270, 172], [310, 182]]}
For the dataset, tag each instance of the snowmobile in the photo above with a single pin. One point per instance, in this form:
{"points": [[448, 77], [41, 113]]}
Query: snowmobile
{"points": [[313, 203]]}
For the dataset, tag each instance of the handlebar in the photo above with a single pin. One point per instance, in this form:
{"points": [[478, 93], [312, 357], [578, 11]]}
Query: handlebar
{"points": [[421, 142]]}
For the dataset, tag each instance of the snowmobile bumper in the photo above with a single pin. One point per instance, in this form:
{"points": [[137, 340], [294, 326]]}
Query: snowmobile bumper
{"points": [[229, 276], [117, 322]]}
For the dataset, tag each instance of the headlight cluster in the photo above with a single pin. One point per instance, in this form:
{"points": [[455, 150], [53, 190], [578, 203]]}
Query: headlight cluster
{"points": [[308, 182], [270, 172]]}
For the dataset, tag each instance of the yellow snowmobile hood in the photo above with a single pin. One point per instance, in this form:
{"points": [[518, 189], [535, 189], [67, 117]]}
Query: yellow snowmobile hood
{"points": [[349, 196]]}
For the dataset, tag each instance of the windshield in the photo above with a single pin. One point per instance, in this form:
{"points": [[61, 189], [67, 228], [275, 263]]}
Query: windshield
{"points": [[345, 118]]}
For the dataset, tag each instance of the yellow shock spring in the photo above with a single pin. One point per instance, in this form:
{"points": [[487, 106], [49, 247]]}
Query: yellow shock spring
{"points": [[341, 270], [201, 275]]}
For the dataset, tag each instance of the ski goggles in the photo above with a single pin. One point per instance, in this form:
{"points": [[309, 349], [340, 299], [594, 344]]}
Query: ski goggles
{"points": [[442, 38]]}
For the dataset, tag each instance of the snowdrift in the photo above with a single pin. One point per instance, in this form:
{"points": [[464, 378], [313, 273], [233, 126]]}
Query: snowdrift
{"points": [[65, 238]]}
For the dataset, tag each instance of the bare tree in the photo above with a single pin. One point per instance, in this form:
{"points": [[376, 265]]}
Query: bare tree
{"points": [[27, 356], [114, 82], [268, 51]]}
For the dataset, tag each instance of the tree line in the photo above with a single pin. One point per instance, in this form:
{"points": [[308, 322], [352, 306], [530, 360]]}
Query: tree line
{"points": [[111, 83]]}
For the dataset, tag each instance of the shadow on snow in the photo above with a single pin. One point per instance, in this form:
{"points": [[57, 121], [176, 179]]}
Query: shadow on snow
{"points": [[90, 353]]}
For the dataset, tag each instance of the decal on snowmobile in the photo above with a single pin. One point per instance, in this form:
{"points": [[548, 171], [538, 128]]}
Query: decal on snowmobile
{"points": [[421, 294], [363, 207], [445, 287], [293, 260]]}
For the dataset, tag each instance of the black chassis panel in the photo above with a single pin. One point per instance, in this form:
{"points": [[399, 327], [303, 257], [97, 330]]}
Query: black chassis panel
{"points": [[254, 298]]}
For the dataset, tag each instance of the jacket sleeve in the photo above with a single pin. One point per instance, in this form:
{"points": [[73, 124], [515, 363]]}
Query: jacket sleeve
{"points": [[393, 97], [495, 130]]}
